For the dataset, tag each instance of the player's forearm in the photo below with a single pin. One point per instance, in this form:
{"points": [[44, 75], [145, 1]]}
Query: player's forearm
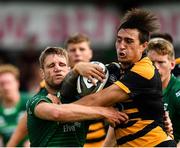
{"points": [[20, 132], [73, 112], [106, 97], [67, 112]]}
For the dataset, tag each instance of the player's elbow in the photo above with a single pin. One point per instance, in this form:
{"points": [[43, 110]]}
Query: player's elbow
{"points": [[57, 115]]}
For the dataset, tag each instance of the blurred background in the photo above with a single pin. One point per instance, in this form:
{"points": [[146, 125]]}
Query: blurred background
{"points": [[27, 27]]}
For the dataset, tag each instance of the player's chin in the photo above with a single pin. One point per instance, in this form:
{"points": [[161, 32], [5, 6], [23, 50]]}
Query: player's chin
{"points": [[58, 81], [122, 59], [163, 79]]}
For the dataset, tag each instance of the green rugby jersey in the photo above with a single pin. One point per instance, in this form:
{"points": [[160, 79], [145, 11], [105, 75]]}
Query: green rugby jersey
{"points": [[9, 117], [45, 133], [171, 97]]}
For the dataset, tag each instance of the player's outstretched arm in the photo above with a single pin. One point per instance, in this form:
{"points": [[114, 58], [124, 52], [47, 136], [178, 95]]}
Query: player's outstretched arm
{"points": [[106, 97], [20, 132], [74, 112]]}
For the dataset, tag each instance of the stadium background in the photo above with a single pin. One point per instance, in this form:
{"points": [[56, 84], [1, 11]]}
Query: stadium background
{"points": [[27, 27]]}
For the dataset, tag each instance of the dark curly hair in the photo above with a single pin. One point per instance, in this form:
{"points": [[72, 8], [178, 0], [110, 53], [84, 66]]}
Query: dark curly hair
{"points": [[142, 20]]}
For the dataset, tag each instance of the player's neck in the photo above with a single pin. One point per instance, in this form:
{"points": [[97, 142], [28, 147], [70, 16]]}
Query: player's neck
{"points": [[166, 82], [126, 65], [51, 90]]}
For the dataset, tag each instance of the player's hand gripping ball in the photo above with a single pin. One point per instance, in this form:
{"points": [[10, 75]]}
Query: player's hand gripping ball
{"points": [[85, 86]]}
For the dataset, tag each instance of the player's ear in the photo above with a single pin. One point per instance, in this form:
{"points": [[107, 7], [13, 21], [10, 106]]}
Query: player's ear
{"points": [[173, 64], [144, 45], [42, 73]]}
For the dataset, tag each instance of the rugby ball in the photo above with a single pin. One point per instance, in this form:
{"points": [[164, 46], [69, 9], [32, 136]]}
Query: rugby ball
{"points": [[85, 86]]}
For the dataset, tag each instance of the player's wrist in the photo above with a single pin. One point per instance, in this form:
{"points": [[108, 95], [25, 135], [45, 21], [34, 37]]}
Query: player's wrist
{"points": [[75, 71]]}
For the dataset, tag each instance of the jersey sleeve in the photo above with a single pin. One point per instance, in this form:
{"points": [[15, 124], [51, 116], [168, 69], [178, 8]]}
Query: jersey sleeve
{"points": [[131, 84], [140, 78], [33, 102]]}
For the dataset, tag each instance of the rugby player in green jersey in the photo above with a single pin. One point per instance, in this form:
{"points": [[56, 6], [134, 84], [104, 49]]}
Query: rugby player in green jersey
{"points": [[12, 101], [78, 48], [52, 123], [161, 52]]}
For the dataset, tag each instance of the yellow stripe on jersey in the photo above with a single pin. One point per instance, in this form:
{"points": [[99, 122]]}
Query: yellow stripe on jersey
{"points": [[157, 134], [144, 68], [132, 110], [151, 139], [95, 144], [122, 86], [96, 134], [139, 125], [136, 119], [96, 126]]}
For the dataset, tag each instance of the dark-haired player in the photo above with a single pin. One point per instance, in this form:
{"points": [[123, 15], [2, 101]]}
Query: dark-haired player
{"points": [[138, 92]]}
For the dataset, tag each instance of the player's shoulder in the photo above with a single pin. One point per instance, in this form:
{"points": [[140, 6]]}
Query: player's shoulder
{"points": [[39, 95], [144, 68], [175, 81], [41, 92]]}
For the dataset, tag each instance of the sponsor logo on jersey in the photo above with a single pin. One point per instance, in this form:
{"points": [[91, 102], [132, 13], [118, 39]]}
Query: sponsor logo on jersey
{"points": [[178, 94], [71, 127]]}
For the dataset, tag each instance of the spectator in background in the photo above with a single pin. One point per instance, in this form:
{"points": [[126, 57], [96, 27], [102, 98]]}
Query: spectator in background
{"points": [[161, 52], [79, 50], [13, 102]]}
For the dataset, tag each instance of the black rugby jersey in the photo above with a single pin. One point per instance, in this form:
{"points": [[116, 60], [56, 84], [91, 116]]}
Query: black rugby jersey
{"points": [[144, 107]]}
